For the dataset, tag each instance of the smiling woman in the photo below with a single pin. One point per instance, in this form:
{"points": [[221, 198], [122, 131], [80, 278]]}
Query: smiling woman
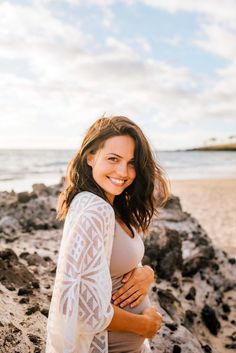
{"points": [[112, 171], [113, 188]]}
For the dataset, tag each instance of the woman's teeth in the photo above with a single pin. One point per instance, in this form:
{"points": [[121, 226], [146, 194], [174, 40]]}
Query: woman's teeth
{"points": [[117, 181]]}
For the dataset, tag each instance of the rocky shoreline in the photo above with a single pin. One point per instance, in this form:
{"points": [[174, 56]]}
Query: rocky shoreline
{"points": [[194, 289]]}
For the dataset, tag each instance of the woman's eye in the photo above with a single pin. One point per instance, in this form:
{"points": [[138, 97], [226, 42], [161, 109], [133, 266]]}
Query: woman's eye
{"points": [[113, 159]]}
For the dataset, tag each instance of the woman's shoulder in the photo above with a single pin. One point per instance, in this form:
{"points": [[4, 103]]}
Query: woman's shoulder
{"points": [[89, 200]]}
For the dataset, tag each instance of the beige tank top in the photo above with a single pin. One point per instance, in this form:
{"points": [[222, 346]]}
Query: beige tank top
{"points": [[126, 254]]}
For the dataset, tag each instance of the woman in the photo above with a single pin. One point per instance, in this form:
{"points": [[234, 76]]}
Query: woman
{"points": [[113, 188]]}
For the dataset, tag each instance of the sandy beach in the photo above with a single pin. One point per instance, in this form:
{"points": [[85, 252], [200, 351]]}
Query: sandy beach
{"points": [[213, 203]]}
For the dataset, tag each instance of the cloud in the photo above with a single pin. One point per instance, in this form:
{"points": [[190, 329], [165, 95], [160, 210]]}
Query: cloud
{"points": [[65, 84], [174, 41], [214, 10], [218, 40], [144, 44]]}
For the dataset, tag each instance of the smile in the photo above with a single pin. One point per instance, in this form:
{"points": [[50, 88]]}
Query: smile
{"points": [[115, 181]]}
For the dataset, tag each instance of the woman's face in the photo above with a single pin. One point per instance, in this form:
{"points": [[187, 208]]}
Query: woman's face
{"points": [[113, 165]]}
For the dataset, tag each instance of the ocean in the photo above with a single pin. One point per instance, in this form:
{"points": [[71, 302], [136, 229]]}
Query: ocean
{"points": [[19, 169]]}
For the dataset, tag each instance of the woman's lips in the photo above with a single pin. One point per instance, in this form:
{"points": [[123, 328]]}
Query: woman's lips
{"points": [[117, 181]]}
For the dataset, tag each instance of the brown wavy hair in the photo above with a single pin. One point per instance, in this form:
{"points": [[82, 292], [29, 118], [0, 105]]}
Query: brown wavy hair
{"points": [[136, 205]]}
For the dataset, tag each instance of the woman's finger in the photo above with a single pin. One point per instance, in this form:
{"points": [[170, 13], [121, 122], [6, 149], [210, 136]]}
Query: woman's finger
{"points": [[137, 301], [127, 276], [124, 293], [135, 298]]}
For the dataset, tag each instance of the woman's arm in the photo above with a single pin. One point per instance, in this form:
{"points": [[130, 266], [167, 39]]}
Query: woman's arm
{"points": [[145, 325], [81, 300]]}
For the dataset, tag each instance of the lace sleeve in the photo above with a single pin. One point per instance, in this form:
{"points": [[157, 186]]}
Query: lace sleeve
{"points": [[82, 291]]}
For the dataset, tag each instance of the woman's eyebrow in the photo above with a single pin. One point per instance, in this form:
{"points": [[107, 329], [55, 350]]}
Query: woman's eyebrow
{"points": [[132, 159]]}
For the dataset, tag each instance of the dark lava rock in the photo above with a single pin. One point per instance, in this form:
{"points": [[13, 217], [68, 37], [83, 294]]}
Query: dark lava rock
{"points": [[189, 318], [24, 300], [25, 291], [13, 272], [35, 284], [176, 349], [32, 309], [210, 319], [191, 294], [224, 317], [175, 282], [35, 339], [165, 252], [45, 312], [170, 304], [207, 349], [226, 308], [23, 197], [194, 263], [8, 254], [172, 326], [169, 256], [230, 345], [12, 337], [173, 203], [233, 336], [215, 266]]}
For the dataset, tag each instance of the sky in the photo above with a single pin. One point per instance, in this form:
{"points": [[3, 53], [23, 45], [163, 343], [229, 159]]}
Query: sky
{"points": [[168, 65]]}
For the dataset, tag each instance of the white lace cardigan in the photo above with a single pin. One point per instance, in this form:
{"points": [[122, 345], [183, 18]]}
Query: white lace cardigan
{"points": [[81, 308]]}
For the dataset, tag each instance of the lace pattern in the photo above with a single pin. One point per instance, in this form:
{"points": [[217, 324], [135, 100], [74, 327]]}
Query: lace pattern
{"points": [[80, 309]]}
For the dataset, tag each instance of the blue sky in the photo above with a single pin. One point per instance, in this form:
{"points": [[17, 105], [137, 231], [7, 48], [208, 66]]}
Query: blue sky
{"points": [[169, 66]]}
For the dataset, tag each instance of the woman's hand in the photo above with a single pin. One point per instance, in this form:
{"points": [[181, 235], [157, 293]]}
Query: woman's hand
{"points": [[153, 323], [137, 283]]}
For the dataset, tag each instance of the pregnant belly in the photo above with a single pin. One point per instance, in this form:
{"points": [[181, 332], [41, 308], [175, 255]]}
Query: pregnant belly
{"points": [[120, 341]]}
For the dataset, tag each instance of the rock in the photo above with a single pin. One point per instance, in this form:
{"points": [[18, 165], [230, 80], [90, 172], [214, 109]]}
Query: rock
{"points": [[197, 261], [23, 197], [195, 285], [210, 319], [167, 341], [164, 252], [32, 309], [9, 225], [226, 308], [25, 291], [33, 259], [40, 189], [24, 300], [171, 305], [233, 336], [230, 345], [171, 326], [45, 312], [191, 294], [12, 272], [189, 319], [177, 349], [206, 348], [173, 203], [35, 339]]}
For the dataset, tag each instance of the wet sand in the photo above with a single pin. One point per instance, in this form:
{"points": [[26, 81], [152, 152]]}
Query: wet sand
{"points": [[213, 203]]}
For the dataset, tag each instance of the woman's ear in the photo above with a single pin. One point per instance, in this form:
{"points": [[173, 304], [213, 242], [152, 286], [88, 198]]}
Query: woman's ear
{"points": [[90, 159]]}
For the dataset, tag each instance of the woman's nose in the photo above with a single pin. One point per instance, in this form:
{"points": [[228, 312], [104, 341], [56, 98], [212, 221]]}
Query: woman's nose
{"points": [[122, 170]]}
